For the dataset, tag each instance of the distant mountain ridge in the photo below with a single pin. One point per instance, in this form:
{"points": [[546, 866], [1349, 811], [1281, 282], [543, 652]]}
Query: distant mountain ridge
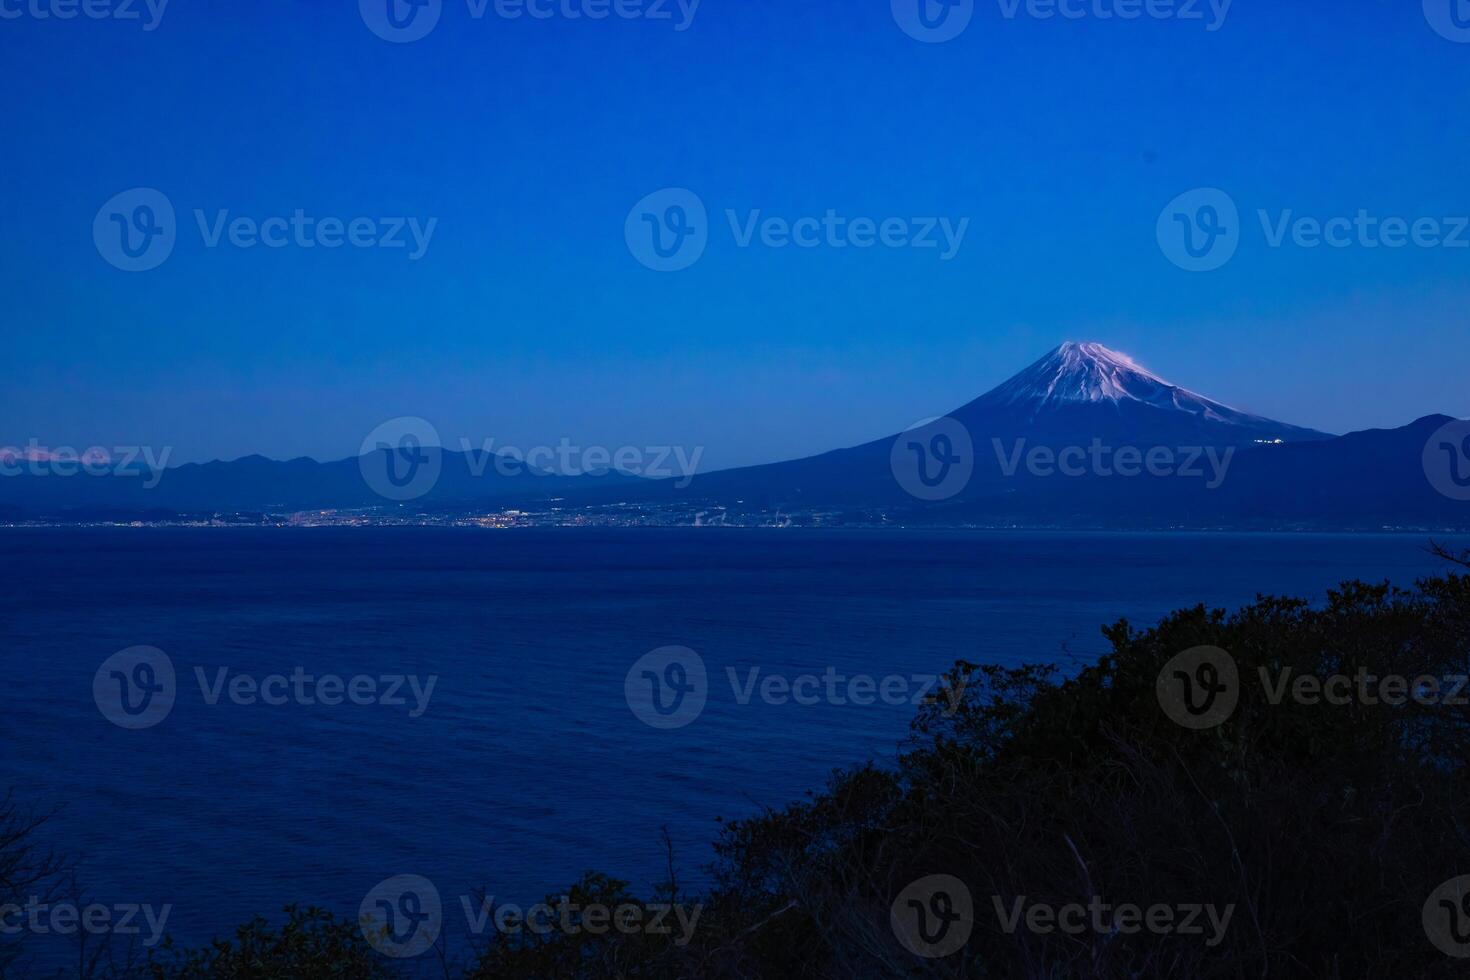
{"points": [[1078, 395], [1093, 405], [257, 484], [1084, 436]]}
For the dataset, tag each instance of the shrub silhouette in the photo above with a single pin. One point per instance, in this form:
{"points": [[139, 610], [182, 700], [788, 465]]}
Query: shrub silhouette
{"points": [[311, 943], [1322, 828], [1325, 826]]}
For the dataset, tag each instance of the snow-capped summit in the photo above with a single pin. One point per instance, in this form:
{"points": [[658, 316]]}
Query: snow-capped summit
{"points": [[1082, 373], [1076, 377], [1090, 372]]}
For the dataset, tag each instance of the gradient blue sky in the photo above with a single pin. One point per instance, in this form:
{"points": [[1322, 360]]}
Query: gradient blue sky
{"points": [[529, 321]]}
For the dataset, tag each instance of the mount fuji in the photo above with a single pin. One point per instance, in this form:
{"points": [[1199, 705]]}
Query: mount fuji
{"points": [[1084, 437], [1090, 405], [1078, 396], [1085, 391]]}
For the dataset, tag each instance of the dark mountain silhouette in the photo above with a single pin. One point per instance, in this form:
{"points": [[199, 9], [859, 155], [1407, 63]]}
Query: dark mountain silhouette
{"points": [[261, 485], [1075, 396], [1083, 437], [1092, 408]]}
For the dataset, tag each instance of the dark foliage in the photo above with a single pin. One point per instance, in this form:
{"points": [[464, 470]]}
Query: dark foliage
{"points": [[1323, 827]]}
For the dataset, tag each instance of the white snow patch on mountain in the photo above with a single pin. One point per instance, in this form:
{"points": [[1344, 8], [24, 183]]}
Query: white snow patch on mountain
{"points": [[1088, 373]]}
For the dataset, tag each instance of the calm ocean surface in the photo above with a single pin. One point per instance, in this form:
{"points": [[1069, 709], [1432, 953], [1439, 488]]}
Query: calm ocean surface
{"points": [[528, 767]]}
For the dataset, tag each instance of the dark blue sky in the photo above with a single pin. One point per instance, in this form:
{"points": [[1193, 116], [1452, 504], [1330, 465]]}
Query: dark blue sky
{"points": [[528, 320]]}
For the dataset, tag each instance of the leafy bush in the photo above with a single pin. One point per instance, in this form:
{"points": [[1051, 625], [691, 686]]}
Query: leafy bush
{"points": [[1326, 827], [1323, 828], [312, 943]]}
